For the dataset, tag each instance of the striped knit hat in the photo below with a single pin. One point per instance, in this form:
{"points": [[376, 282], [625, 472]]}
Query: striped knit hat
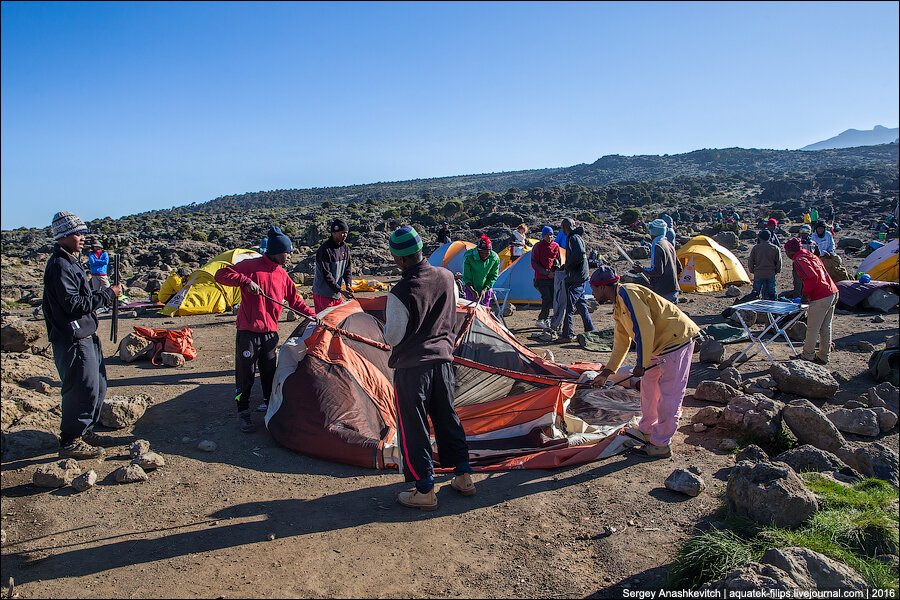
{"points": [[657, 227], [65, 224], [405, 241]]}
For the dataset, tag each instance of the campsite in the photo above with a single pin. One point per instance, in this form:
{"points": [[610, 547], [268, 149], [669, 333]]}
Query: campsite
{"points": [[251, 515]]}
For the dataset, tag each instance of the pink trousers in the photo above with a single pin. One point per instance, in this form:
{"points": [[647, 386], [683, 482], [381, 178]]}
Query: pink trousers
{"points": [[320, 303], [662, 392]]}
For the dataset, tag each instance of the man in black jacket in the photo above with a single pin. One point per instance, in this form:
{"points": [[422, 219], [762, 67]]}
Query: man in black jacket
{"points": [[70, 312], [332, 269], [576, 269], [420, 326]]}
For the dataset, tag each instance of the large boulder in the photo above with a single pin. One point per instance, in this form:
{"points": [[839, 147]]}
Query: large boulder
{"points": [[769, 493], [881, 300], [809, 458], [121, 411], [708, 415], [55, 475], [715, 391], [712, 351], [872, 460], [757, 415], [850, 242], [729, 239], [887, 419], [882, 395], [732, 377], [18, 336], [811, 426], [134, 347], [804, 378], [789, 570], [858, 421], [685, 482]]}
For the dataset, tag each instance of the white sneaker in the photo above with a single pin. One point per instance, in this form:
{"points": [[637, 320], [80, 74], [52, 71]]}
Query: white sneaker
{"points": [[541, 324], [263, 407]]}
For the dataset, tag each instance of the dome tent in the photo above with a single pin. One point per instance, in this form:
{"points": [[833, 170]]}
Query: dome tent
{"points": [[708, 266], [201, 295], [333, 396], [883, 264], [519, 279], [450, 256]]}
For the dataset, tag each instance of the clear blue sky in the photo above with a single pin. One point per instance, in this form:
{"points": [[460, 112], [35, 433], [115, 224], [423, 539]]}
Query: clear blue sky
{"points": [[114, 108]]}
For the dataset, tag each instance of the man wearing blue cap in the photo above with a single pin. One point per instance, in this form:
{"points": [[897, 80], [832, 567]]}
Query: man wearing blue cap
{"points": [[70, 313], [256, 340], [420, 326], [545, 261]]}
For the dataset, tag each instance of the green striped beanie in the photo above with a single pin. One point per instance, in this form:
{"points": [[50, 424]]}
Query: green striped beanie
{"points": [[405, 241]]}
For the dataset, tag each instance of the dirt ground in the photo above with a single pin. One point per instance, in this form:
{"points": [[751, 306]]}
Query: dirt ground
{"points": [[252, 519]]}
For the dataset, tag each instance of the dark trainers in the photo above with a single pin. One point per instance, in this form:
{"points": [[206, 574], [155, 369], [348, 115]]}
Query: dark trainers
{"points": [[246, 423], [80, 451], [102, 441]]}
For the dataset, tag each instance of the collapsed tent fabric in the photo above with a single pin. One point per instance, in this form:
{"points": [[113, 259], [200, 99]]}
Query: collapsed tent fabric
{"points": [[333, 396], [450, 256], [518, 278], [708, 266], [201, 295], [883, 264]]}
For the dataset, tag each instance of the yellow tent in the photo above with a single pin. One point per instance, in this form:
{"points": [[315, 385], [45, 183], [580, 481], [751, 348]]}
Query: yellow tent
{"points": [[201, 295], [708, 266], [506, 259], [883, 264]]}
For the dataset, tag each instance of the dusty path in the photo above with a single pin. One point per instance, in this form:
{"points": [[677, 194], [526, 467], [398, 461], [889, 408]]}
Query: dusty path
{"points": [[255, 520]]}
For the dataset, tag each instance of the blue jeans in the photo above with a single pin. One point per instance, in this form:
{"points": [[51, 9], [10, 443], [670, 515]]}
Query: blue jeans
{"points": [[765, 286], [575, 303]]}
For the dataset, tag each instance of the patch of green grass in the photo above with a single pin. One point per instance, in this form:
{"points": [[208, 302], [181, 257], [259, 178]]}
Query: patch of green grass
{"points": [[782, 442], [854, 525]]}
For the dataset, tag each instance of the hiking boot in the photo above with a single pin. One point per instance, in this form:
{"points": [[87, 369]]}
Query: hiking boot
{"points": [[246, 423], [654, 451], [79, 450], [463, 484], [263, 407], [564, 340], [819, 361], [103, 441], [415, 499]]}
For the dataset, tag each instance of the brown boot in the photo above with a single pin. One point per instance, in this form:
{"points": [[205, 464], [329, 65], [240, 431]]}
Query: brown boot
{"points": [[78, 450], [415, 499], [654, 451], [463, 484]]}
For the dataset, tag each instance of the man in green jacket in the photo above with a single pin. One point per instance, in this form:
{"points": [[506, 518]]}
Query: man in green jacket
{"points": [[480, 270]]}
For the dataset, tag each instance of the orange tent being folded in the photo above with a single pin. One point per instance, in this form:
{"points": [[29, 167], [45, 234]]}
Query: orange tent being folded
{"points": [[333, 396]]}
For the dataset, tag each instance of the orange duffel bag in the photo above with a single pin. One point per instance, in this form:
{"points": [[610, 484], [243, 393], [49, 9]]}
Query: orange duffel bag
{"points": [[167, 340]]}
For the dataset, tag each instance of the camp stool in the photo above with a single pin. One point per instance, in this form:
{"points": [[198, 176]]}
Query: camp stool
{"points": [[773, 310]]}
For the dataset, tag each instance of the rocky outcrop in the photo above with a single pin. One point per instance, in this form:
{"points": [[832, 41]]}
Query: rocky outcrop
{"points": [[715, 391], [811, 426], [757, 415], [769, 493], [804, 378]]}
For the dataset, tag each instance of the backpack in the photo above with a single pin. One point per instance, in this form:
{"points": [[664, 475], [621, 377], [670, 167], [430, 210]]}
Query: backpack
{"points": [[167, 340]]}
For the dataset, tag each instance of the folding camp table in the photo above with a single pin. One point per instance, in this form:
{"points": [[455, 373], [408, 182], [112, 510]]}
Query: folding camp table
{"points": [[787, 313]]}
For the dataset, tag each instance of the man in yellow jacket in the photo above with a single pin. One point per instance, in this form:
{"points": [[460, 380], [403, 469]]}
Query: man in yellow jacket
{"points": [[661, 332]]}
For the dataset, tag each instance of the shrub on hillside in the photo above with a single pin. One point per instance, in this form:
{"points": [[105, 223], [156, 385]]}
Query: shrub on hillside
{"points": [[629, 215]]}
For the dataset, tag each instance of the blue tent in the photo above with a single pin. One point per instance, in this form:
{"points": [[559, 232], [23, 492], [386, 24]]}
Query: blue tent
{"points": [[451, 256], [518, 278]]}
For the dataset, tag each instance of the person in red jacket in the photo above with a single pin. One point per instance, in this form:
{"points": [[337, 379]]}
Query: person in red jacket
{"points": [[257, 319], [822, 294], [545, 260]]}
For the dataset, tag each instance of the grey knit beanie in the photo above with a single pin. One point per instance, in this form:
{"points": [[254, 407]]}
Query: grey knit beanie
{"points": [[66, 223]]}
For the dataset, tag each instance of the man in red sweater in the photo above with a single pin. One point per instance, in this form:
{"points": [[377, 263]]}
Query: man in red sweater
{"points": [[822, 294], [545, 260], [257, 319]]}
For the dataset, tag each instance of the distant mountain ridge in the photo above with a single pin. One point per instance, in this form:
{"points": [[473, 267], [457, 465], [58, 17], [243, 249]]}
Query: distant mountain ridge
{"points": [[604, 171], [855, 137]]}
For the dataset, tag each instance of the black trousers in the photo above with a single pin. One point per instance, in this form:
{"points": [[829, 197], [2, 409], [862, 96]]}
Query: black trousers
{"points": [[422, 392], [253, 349], [82, 372], [545, 289]]}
